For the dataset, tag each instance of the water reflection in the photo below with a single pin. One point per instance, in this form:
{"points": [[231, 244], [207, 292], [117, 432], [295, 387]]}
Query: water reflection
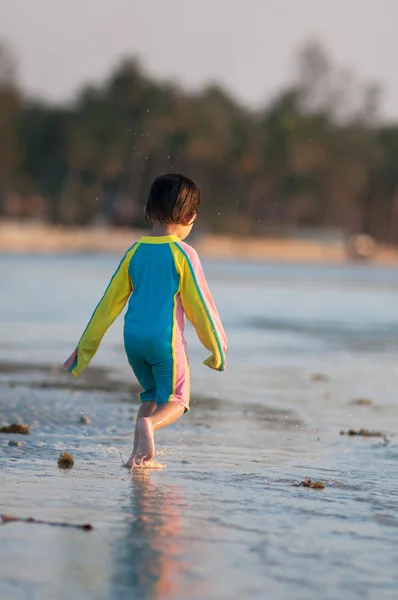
{"points": [[150, 554]]}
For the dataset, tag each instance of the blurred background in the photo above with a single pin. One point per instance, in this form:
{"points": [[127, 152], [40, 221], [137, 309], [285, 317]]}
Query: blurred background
{"points": [[286, 115]]}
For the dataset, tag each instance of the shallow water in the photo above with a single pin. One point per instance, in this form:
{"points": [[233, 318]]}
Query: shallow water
{"points": [[223, 520]]}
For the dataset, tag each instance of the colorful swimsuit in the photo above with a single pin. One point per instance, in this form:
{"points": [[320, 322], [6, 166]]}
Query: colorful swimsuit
{"points": [[164, 280]]}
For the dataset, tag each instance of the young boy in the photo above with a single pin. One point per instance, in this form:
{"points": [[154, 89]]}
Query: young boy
{"points": [[164, 280]]}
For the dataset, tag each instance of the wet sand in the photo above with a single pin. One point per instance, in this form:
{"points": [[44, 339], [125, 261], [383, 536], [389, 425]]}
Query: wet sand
{"points": [[223, 521]]}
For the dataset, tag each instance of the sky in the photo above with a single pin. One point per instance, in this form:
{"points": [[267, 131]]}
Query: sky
{"points": [[249, 46]]}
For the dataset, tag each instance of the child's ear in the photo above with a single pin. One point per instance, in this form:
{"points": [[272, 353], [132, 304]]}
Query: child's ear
{"points": [[190, 219]]}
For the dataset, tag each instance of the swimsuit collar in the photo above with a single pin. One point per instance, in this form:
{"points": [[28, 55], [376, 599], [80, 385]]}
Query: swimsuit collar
{"points": [[159, 239]]}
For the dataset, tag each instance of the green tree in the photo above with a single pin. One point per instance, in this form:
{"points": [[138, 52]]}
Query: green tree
{"points": [[9, 107]]}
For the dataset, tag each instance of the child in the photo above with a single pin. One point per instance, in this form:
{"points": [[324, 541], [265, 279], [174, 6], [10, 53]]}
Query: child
{"points": [[164, 280]]}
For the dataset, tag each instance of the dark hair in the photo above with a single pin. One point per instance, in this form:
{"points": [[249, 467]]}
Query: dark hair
{"points": [[173, 198]]}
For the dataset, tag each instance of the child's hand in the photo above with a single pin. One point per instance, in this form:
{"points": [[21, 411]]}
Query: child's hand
{"points": [[68, 364], [215, 363]]}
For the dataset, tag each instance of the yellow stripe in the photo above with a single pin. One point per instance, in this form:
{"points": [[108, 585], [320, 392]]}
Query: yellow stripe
{"points": [[162, 239], [80, 359]]}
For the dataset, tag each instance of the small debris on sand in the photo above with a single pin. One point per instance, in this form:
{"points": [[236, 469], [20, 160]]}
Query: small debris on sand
{"points": [[320, 377], [15, 428], [363, 432], [316, 485], [84, 420], [367, 433], [362, 402], [14, 443], [65, 460], [4, 519]]}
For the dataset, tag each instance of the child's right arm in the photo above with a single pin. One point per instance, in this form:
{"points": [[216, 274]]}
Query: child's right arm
{"points": [[199, 306], [110, 306]]}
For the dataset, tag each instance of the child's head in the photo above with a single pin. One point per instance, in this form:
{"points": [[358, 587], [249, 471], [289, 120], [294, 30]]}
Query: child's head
{"points": [[173, 200]]}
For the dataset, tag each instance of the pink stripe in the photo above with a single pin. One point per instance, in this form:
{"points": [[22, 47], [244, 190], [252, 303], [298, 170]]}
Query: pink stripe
{"points": [[180, 318], [182, 364], [204, 288], [68, 364]]}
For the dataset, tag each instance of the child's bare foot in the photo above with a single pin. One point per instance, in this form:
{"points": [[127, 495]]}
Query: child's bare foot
{"points": [[130, 463], [146, 445]]}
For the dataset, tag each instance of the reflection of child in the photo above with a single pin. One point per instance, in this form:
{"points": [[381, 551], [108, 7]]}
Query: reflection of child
{"points": [[164, 280], [154, 541]]}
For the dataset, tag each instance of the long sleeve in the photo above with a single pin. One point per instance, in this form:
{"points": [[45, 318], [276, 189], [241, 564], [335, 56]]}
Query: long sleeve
{"points": [[110, 306], [199, 306]]}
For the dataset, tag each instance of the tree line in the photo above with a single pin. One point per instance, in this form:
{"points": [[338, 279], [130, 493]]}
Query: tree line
{"points": [[315, 156]]}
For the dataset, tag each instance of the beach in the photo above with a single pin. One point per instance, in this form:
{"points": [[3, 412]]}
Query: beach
{"points": [[312, 354], [34, 237]]}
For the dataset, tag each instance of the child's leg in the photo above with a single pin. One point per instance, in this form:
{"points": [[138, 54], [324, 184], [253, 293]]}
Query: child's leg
{"points": [[164, 415], [143, 371], [145, 410], [171, 376]]}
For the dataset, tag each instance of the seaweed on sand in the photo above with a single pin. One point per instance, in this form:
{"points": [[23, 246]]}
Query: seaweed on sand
{"points": [[367, 433], [363, 432], [21, 429], [316, 485], [362, 402], [65, 460], [4, 519]]}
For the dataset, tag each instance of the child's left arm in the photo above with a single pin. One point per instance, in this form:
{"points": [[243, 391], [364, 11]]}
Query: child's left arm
{"points": [[200, 308], [110, 306]]}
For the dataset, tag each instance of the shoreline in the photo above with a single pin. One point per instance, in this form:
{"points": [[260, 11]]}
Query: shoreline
{"points": [[26, 238]]}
